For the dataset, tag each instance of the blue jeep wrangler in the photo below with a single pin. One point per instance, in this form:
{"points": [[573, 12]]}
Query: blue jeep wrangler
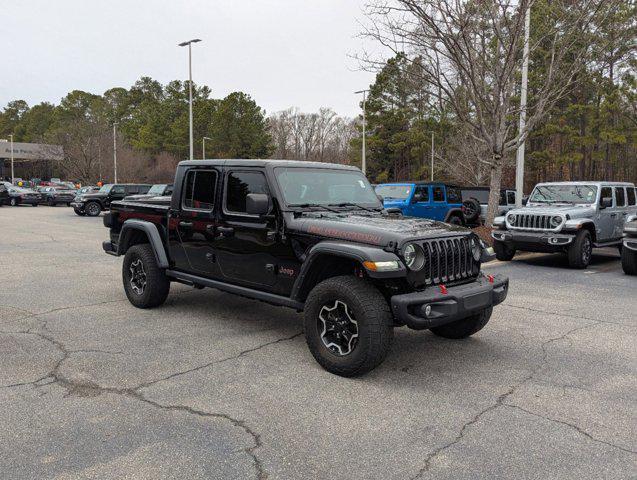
{"points": [[433, 200]]}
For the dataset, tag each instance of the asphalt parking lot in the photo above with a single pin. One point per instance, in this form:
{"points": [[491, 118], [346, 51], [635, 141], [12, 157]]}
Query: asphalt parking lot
{"points": [[215, 386]]}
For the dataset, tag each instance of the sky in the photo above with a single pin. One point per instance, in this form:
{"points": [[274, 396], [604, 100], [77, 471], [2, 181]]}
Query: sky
{"points": [[284, 53]]}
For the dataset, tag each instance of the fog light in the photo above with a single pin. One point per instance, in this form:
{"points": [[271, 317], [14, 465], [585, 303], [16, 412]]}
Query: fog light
{"points": [[427, 310]]}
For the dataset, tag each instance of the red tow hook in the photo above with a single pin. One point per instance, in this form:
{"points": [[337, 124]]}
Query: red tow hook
{"points": [[491, 278], [443, 290]]}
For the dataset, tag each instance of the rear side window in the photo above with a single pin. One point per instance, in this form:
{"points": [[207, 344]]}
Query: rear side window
{"points": [[631, 196], [422, 194], [607, 192], [200, 189], [439, 194], [239, 186], [453, 195], [620, 197]]}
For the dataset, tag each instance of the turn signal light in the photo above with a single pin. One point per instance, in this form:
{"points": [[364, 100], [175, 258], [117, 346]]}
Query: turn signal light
{"points": [[443, 290]]}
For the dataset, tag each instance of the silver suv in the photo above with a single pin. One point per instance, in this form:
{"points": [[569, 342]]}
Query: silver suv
{"points": [[571, 217]]}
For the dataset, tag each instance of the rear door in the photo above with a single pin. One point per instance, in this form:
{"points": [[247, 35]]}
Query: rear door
{"points": [[439, 209], [195, 225], [621, 211]]}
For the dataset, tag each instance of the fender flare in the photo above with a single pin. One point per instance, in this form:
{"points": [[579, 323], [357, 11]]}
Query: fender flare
{"points": [[453, 212], [350, 251], [154, 238], [578, 223]]}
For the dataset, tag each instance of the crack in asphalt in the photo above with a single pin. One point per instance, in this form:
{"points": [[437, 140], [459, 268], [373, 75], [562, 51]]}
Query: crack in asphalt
{"points": [[575, 427], [499, 401], [567, 315]]}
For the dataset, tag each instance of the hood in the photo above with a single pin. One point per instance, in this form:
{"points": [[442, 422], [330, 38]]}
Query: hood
{"points": [[573, 211], [94, 195], [373, 229], [395, 202]]}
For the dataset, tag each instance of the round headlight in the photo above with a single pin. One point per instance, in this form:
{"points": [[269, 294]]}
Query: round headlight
{"points": [[414, 256], [511, 218], [556, 221], [476, 249]]}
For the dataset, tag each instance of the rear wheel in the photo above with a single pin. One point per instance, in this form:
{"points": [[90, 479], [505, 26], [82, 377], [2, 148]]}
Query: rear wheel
{"points": [[348, 325], [464, 328], [581, 250], [503, 252], [629, 261], [455, 220], [146, 285], [471, 210], [14, 202], [93, 209]]}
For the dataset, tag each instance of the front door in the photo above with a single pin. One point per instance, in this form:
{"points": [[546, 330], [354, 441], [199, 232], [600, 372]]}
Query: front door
{"points": [[606, 223], [195, 224], [246, 245], [117, 192], [421, 202]]}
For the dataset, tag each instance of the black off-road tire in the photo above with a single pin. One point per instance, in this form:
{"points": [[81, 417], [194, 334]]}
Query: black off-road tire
{"points": [[581, 250], [456, 220], [471, 210], [79, 212], [93, 209], [503, 252], [629, 261], [14, 202], [465, 327], [157, 283], [374, 322]]}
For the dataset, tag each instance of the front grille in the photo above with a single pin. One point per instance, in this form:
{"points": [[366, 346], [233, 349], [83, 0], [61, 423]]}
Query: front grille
{"points": [[531, 222], [447, 260]]}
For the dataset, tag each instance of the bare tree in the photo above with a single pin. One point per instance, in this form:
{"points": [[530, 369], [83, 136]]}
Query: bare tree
{"points": [[470, 54]]}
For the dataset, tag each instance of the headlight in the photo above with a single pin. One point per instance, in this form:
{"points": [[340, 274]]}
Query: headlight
{"points": [[556, 221], [414, 256], [476, 249], [511, 218]]}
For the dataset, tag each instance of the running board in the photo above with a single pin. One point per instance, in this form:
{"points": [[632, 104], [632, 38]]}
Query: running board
{"points": [[607, 244], [236, 289]]}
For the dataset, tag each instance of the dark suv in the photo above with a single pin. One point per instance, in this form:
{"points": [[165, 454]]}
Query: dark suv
{"points": [[4, 195], [92, 204], [53, 196], [313, 237]]}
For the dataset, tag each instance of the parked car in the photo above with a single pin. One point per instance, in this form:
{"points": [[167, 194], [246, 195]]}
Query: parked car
{"points": [[433, 200], [159, 190], [92, 204], [4, 195], [53, 196], [313, 237], [26, 196], [475, 203], [571, 217], [629, 249]]}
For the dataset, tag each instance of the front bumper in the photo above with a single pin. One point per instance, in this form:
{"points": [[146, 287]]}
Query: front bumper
{"points": [[630, 243], [457, 303], [540, 240]]}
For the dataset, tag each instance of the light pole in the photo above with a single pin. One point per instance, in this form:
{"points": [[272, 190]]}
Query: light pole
{"points": [[203, 147], [189, 44], [432, 155], [519, 160], [115, 151], [363, 159], [12, 175]]}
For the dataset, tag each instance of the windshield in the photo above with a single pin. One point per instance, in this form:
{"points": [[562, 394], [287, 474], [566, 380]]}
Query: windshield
{"points": [[106, 188], [398, 192], [564, 194], [324, 187], [157, 190]]}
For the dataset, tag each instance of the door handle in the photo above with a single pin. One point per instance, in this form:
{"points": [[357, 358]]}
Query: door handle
{"points": [[225, 231], [185, 224]]}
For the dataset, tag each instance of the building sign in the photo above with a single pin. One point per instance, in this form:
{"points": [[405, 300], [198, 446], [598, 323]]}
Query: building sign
{"points": [[31, 151]]}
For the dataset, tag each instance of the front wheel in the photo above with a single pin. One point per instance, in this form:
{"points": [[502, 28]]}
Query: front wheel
{"points": [[145, 284], [503, 252], [79, 212], [629, 261], [14, 202], [348, 325], [581, 250], [93, 209], [465, 327]]}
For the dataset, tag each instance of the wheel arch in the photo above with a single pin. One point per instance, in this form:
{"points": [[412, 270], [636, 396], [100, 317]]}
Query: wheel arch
{"points": [[455, 212], [134, 232]]}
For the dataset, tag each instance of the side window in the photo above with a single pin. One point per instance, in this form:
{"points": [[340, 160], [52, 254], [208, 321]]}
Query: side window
{"points": [[239, 185], [607, 192], [132, 189], [631, 196], [439, 194], [453, 195], [143, 188], [510, 197], [200, 186], [620, 197], [118, 189], [421, 195], [503, 198]]}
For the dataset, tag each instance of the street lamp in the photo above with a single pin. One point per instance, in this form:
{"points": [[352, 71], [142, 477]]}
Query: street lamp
{"points": [[115, 151], [12, 174], [364, 160], [189, 44], [203, 147]]}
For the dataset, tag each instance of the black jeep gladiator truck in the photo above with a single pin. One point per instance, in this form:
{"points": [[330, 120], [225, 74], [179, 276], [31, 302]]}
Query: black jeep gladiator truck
{"points": [[313, 237], [93, 203]]}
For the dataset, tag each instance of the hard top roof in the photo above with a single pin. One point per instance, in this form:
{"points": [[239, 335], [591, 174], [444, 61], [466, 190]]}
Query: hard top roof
{"points": [[259, 162]]}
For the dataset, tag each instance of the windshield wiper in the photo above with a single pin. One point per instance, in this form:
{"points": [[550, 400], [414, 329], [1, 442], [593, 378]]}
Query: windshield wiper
{"points": [[350, 204], [313, 205]]}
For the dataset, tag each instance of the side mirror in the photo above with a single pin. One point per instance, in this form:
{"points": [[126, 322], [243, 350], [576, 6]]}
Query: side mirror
{"points": [[606, 202], [257, 204], [525, 200]]}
